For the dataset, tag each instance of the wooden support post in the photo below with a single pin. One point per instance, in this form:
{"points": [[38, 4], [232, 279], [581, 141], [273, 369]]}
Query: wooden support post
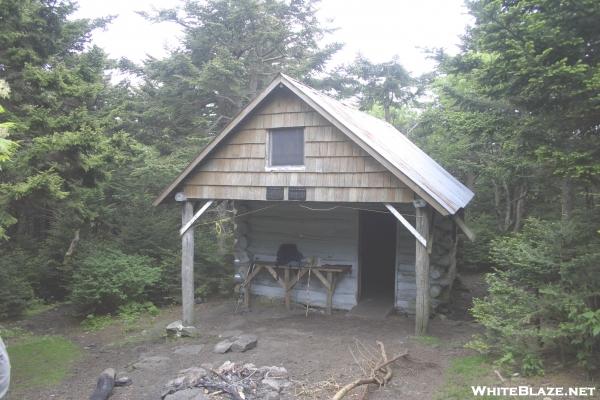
{"points": [[287, 288], [187, 265], [331, 289], [423, 216]]}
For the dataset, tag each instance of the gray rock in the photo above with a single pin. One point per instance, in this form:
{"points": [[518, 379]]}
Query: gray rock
{"points": [[277, 372], [244, 342], [223, 346], [152, 362], [190, 331], [123, 381], [187, 378], [174, 328], [187, 394], [276, 384], [231, 334], [191, 350]]}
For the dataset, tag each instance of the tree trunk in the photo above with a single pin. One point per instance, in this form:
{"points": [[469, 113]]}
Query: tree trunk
{"points": [[386, 112], [507, 207], [566, 199], [520, 206], [497, 199]]}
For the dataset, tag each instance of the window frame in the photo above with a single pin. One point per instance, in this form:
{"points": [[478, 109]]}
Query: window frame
{"points": [[269, 150]]}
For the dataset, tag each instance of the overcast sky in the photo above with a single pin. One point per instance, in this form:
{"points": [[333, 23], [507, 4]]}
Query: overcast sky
{"points": [[378, 29]]}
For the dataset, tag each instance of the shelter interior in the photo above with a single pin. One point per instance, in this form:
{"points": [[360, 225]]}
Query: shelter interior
{"points": [[377, 255]]}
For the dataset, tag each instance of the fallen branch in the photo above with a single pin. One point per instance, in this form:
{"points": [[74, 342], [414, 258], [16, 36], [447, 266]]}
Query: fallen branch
{"points": [[104, 387], [380, 375]]}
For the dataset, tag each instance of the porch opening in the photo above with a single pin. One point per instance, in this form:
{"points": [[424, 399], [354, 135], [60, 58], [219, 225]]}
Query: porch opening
{"points": [[377, 256]]}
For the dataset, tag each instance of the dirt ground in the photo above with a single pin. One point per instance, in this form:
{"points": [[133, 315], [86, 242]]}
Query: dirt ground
{"points": [[313, 348]]}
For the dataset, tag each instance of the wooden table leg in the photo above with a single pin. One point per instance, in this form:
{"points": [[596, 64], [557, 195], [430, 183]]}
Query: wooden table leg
{"points": [[330, 290], [250, 274], [288, 290]]}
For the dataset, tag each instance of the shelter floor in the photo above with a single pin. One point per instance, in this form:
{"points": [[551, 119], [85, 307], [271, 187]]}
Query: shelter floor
{"points": [[373, 307]]}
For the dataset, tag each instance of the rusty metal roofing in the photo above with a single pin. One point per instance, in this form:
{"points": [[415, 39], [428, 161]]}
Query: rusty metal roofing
{"points": [[396, 148], [378, 138]]}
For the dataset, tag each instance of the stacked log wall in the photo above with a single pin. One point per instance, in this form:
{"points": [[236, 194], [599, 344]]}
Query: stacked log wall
{"points": [[443, 262]]}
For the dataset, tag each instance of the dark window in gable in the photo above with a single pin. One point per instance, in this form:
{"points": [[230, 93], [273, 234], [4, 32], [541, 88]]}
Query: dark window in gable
{"points": [[286, 147]]}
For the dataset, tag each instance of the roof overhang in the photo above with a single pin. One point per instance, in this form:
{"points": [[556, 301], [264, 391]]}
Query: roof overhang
{"points": [[322, 105]]}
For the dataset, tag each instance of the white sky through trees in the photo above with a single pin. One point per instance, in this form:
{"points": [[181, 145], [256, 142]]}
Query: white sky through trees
{"points": [[378, 29]]}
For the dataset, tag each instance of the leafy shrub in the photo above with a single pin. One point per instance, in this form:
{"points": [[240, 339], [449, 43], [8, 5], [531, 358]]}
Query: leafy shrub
{"points": [[128, 314], [93, 323], [131, 312], [107, 278], [15, 290], [543, 298]]}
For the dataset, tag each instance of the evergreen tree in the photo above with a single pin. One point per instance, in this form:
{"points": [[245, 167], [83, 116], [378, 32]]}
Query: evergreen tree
{"points": [[230, 51]]}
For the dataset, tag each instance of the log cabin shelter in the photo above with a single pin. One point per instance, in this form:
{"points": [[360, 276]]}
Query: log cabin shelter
{"points": [[332, 207]]}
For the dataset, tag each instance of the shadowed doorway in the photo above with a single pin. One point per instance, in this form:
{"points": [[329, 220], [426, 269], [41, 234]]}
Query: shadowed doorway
{"points": [[377, 255]]}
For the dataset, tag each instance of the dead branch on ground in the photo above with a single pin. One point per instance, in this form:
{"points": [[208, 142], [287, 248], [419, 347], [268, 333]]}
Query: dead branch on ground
{"points": [[379, 367]]}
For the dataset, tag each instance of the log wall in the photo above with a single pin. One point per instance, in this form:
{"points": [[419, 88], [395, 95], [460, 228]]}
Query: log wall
{"points": [[442, 260], [332, 236]]}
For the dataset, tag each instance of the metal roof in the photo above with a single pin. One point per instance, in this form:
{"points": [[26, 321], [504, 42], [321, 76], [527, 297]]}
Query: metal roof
{"points": [[378, 138], [397, 149]]}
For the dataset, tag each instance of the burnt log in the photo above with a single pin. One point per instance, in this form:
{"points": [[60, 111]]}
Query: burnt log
{"points": [[105, 385]]}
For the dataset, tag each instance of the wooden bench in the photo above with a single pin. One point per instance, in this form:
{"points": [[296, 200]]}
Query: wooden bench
{"points": [[326, 273]]}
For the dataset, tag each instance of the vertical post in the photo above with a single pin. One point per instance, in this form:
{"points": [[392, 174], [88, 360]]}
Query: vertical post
{"points": [[331, 280], [187, 265], [423, 216], [288, 290]]}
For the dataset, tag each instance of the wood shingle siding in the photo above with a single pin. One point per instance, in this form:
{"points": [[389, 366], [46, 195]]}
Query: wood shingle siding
{"points": [[364, 195], [335, 169]]}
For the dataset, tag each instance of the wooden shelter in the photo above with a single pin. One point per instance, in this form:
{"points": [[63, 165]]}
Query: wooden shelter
{"points": [[370, 213]]}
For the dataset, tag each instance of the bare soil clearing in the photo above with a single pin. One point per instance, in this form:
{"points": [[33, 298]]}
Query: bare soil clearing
{"points": [[313, 348]]}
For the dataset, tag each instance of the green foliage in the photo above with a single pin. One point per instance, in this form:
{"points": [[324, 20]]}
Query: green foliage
{"points": [[94, 323], [41, 361], [476, 254], [230, 51], [544, 296], [127, 314], [131, 312], [15, 290], [516, 116], [37, 307], [106, 278], [464, 372], [12, 332]]}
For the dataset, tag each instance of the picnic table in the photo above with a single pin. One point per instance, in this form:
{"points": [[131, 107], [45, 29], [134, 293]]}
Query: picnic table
{"points": [[289, 275]]}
